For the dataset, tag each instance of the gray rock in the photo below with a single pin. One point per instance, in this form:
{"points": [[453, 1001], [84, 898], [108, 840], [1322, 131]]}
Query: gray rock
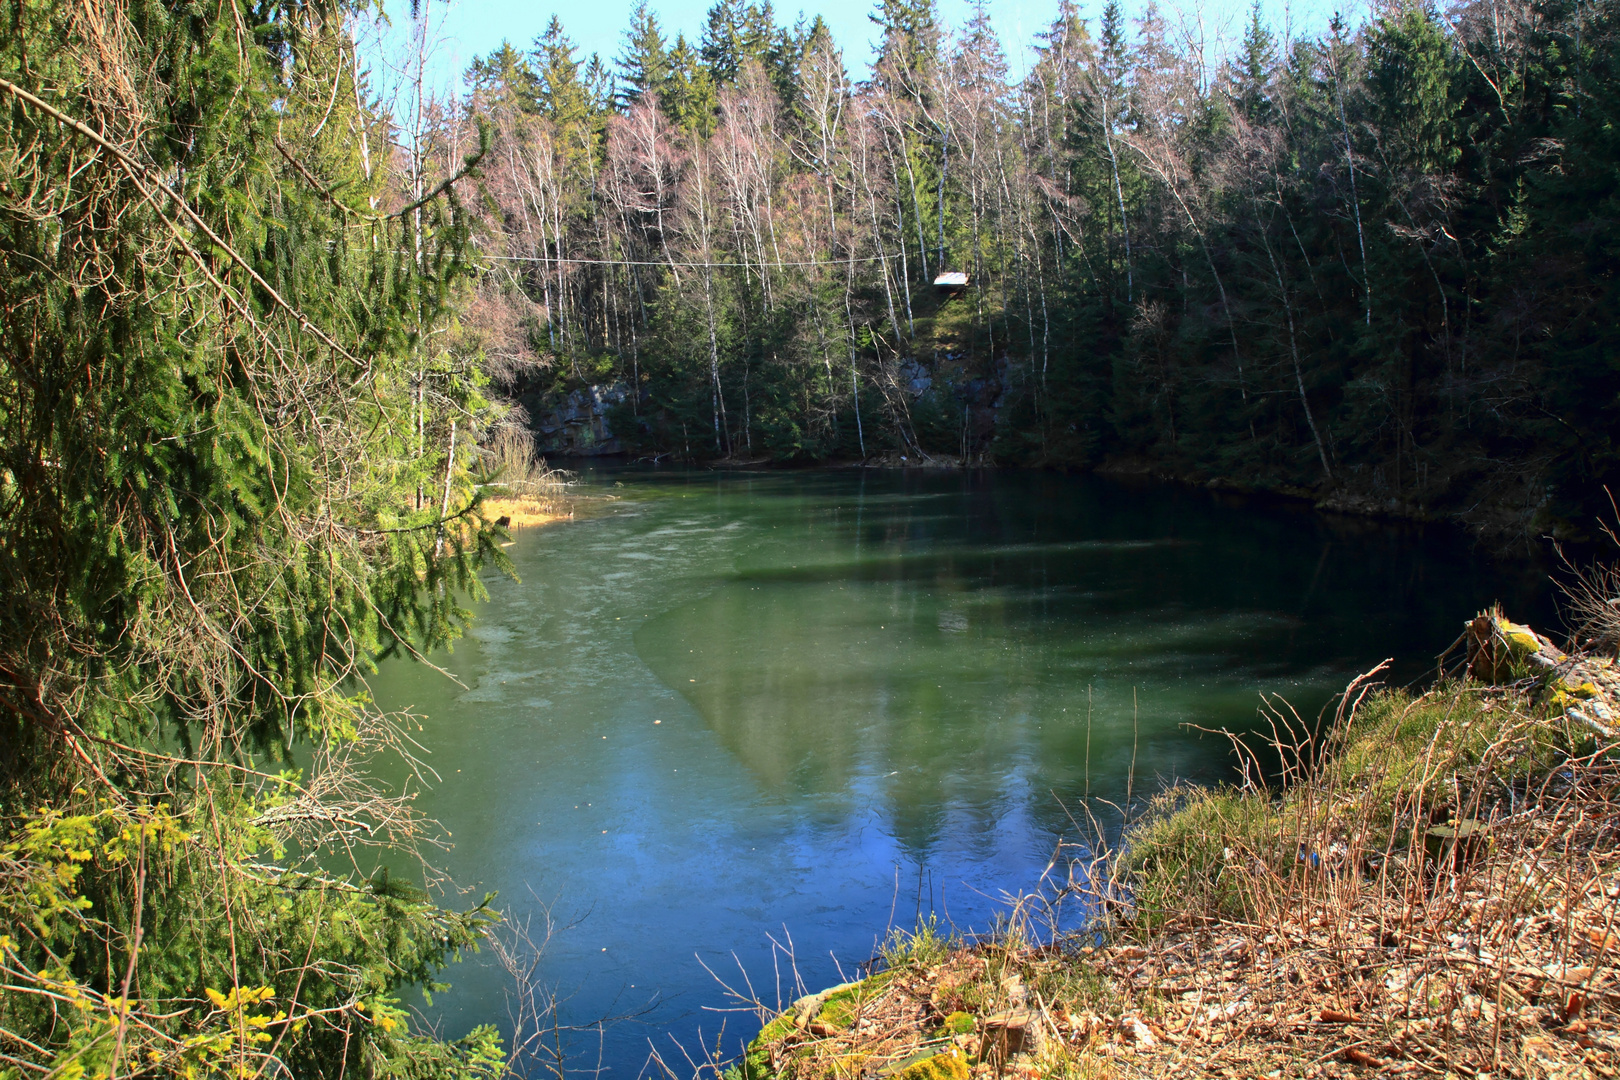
{"points": [[575, 424]]}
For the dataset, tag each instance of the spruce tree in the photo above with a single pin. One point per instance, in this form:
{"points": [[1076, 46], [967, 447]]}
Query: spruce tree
{"points": [[908, 50], [644, 65], [562, 94], [504, 80], [213, 431], [1411, 71], [1253, 68], [690, 99], [734, 33]]}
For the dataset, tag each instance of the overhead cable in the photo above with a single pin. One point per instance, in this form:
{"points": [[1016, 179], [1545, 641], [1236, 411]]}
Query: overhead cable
{"points": [[693, 265]]}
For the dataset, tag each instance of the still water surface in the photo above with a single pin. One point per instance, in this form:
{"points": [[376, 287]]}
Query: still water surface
{"points": [[803, 705]]}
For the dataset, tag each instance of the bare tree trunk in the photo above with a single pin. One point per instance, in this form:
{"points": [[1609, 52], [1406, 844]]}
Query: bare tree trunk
{"points": [[877, 242], [1350, 164], [1166, 171], [854, 378], [916, 209], [418, 164], [1119, 190], [714, 356], [706, 251], [1293, 349], [900, 232], [449, 474], [944, 168]]}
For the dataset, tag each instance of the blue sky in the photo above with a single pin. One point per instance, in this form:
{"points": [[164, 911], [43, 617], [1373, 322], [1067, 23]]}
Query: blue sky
{"points": [[469, 28]]}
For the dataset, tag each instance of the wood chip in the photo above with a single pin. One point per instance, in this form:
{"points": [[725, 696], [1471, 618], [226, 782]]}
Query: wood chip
{"points": [[1360, 1057]]}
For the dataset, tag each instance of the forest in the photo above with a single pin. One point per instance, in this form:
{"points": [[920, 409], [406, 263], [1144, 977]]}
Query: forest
{"points": [[266, 304], [1368, 266]]}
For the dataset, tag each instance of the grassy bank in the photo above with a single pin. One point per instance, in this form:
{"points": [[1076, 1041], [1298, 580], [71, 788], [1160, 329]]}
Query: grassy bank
{"points": [[1431, 887], [526, 491]]}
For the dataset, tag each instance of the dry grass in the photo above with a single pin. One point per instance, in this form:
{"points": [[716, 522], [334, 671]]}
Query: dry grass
{"points": [[1324, 924], [1593, 596], [1340, 928], [525, 490], [522, 511]]}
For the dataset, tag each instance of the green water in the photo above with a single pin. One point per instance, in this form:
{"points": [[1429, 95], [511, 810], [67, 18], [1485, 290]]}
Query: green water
{"points": [[745, 706]]}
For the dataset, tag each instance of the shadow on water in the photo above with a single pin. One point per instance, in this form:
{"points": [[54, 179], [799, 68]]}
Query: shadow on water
{"points": [[749, 702], [949, 630]]}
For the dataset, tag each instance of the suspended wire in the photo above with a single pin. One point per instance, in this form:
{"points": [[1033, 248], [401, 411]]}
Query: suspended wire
{"points": [[780, 265]]}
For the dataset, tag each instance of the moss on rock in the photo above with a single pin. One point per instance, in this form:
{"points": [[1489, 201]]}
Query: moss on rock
{"points": [[757, 1058], [950, 1065]]}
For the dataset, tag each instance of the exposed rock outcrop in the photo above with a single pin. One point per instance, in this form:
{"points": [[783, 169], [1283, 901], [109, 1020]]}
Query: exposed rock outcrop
{"points": [[576, 424]]}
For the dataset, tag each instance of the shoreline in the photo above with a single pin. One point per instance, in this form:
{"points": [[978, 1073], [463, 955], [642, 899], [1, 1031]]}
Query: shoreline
{"points": [[516, 512], [1434, 889], [1502, 530]]}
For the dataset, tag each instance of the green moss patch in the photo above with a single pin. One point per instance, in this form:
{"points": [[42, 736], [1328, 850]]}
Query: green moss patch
{"points": [[950, 1065]]}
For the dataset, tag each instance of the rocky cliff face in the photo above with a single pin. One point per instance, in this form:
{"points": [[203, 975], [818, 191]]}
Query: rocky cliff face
{"points": [[575, 424], [954, 404]]}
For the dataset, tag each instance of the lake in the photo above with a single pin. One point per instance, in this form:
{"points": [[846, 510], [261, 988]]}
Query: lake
{"points": [[739, 713]]}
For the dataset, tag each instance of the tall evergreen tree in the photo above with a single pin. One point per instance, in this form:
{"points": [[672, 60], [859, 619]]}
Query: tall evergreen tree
{"points": [[1411, 69], [226, 376], [563, 96], [644, 64], [504, 80], [908, 50], [735, 32], [690, 100], [1253, 68]]}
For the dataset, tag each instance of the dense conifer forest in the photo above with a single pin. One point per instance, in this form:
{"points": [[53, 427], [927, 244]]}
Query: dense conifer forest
{"points": [[1372, 265], [262, 318]]}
